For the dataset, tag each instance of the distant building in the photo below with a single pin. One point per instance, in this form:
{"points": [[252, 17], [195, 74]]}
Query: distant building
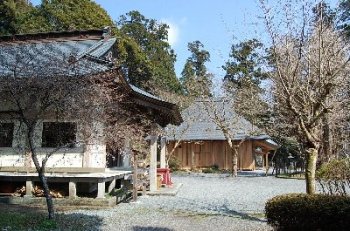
{"points": [[203, 144]]}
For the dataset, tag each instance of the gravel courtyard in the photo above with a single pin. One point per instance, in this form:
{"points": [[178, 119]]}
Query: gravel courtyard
{"points": [[204, 202]]}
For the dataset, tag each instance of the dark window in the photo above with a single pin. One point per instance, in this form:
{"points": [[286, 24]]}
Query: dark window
{"points": [[57, 134], [6, 134]]}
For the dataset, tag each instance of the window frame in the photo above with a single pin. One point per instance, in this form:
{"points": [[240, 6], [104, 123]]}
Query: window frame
{"points": [[9, 142], [49, 132]]}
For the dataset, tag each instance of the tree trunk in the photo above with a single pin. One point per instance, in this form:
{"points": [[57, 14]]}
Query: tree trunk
{"points": [[310, 172], [41, 171], [49, 202], [234, 160], [326, 139]]}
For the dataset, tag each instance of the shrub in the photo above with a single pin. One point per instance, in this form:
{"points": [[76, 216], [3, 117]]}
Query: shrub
{"points": [[334, 177], [212, 169], [208, 170], [308, 212], [174, 163]]}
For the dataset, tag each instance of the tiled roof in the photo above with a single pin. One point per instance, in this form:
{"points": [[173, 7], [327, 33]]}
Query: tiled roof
{"points": [[142, 92], [199, 124], [71, 53], [54, 57]]}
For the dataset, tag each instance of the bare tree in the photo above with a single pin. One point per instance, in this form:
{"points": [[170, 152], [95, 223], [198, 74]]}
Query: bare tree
{"points": [[62, 88], [309, 64], [178, 133], [235, 128]]}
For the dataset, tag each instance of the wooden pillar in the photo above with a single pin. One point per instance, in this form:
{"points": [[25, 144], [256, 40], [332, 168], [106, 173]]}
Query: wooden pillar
{"points": [[72, 189], [29, 188], [127, 154], [101, 188], [193, 164], [134, 177], [153, 164], [266, 162], [162, 152]]}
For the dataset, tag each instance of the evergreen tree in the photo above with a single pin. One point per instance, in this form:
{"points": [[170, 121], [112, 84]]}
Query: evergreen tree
{"points": [[243, 81], [74, 15], [344, 8], [158, 66], [142, 46], [243, 68], [195, 77], [12, 13], [17, 16]]}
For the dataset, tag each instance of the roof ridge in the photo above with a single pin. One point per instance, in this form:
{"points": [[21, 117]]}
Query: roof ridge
{"points": [[90, 49], [55, 35]]}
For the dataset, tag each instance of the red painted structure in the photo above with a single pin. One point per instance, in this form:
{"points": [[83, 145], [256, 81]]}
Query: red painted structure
{"points": [[166, 178]]}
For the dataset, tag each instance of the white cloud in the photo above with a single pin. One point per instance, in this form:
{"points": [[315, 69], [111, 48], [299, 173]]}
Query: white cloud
{"points": [[173, 32]]}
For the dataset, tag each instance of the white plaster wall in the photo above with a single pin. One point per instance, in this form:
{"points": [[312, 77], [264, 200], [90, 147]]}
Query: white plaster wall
{"points": [[95, 149], [70, 157], [96, 156], [14, 156], [9, 157], [92, 154]]}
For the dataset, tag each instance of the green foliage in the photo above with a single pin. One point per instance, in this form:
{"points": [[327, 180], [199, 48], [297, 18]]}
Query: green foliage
{"points": [[134, 60], [142, 47], [74, 15], [26, 218], [243, 79], [195, 78], [344, 8], [308, 212], [244, 67], [55, 15], [23, 221], [288, 152], [12, 15], [174, 163], [323, 11], [334, 177], [213, 169], [153, 53]]}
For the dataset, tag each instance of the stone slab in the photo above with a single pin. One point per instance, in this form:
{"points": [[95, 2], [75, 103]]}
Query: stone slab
{"points": [[166, 191]]}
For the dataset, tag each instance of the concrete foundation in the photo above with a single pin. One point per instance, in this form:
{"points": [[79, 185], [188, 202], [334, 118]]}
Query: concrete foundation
{"points": [[72, 189], [29, 188], [101, 189]]}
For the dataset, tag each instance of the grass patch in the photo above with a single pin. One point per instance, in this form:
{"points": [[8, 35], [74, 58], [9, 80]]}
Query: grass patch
{"points": [[257, 215], [35, 219]]}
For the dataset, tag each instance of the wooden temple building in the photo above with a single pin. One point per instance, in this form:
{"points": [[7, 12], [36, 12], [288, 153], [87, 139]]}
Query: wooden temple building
{"points": [[200, 143], [83, 167]]}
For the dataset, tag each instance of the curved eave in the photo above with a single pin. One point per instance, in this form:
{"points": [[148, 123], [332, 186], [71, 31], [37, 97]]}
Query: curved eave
{"points": [[170, 112]]}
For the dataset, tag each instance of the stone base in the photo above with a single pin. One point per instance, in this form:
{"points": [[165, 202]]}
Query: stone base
{"points": [[79, 201]]}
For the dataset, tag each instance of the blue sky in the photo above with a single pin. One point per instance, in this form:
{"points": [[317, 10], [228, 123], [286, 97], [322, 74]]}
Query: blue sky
{"points": [[216, 23]]}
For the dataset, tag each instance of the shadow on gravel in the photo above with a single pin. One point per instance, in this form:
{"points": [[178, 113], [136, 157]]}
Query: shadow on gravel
{"points": [[148, 228], [221, 210], [245, 216], [256, 173]]}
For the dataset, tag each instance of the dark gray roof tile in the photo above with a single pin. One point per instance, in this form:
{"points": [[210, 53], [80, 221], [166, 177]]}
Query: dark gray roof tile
{"points": [[199, 124]]}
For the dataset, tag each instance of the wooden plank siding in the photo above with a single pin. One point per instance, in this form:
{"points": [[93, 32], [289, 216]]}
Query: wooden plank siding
{"points": [[209, 153]]}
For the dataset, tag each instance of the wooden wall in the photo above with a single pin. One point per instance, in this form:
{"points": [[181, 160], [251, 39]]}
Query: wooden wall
{"points": [[208, 153]]}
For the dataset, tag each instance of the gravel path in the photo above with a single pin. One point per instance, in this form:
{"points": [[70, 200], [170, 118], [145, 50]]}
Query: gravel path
{"points": [[204, 202]]}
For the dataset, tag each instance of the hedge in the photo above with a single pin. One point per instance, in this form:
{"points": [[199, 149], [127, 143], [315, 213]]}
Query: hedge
{"points": [[308, 212]]}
